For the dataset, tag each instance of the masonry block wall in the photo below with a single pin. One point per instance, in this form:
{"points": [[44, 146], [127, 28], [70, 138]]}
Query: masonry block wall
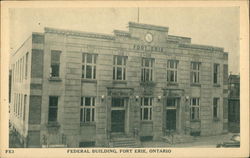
{"points": [[69, 87]]}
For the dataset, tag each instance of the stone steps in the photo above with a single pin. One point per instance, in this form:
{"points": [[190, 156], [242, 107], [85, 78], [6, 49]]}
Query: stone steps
{"points": [[177, 139], [124, 142]]}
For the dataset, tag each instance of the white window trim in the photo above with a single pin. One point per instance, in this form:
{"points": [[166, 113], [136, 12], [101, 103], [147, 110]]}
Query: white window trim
{"points": [[92, 64], [197, 71], [150, 68], [175, 70], [91, 107], [195, 106], [149, 107], [123, 67]]}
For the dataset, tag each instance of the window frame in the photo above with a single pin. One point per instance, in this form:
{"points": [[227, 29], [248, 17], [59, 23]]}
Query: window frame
{"points": [[55, 63], [193, 107], [149, 107], [150, 69], [217, 101], [84, 107], [85, 64], [195, 79], [53, 107], [174, 70], [216, 71], [123, 68]]}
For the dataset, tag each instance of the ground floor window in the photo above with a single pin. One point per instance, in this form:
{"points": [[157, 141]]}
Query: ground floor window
{"points": [[195, 109], [146, 108], [53, 107], [87, 109], [216, 108]]}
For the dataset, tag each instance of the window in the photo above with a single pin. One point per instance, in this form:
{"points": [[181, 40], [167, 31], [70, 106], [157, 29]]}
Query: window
{"points": [[87, 109], [89, 66], [146, 108], [216, 108], [216, 73], [53, 106], [55, 63], [119, 68], [172, 103], [26, 64], [147, 69], [195, 72], [172, 70], [118, 102], [195, 108]]}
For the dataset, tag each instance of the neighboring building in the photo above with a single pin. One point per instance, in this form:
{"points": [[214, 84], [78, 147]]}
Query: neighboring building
{"points": [[86, 89], [234, 103]]}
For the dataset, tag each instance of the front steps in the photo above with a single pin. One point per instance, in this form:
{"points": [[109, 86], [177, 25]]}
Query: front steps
{"points": [[123, 141], [178, 139]]}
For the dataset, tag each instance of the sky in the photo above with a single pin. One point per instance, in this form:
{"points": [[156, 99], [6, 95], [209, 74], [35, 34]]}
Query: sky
{"points": [[205, 25]]}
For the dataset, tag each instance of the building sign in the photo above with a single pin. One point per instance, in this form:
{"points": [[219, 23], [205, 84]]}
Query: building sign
{"points": [[148, 48]]}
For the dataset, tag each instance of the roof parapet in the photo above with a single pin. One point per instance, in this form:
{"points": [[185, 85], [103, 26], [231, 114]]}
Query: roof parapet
{"points": [[198, 46], [147, 26], [121, 33], [78, 33]]}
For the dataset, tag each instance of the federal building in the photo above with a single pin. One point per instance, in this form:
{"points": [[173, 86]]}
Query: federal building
{"points": [[81, 89]]}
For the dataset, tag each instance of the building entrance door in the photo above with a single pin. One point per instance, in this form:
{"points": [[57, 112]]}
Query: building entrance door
{"points": [[117, 120], [171, 119], [118, 114]]}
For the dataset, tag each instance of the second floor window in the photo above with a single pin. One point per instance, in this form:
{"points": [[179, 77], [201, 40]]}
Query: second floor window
{"points": [[146, 108], [89, 66], [172, 70], [147, 69], [55, 63], [119, 67], [216, 74], [195, 72], [53, 106], [87, 109], [195, 108]]}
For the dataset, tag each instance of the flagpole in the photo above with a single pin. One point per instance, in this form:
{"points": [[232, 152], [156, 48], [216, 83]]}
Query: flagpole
{"points": [[138, 15]]}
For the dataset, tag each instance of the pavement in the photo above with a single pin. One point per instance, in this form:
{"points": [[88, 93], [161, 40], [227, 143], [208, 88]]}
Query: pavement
{"points": [[199, 142]]}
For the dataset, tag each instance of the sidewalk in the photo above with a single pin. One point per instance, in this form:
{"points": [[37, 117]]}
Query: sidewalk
{"points": [[200, 142]]}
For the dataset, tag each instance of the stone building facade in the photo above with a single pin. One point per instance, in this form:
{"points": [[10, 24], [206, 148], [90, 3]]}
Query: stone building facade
{"points": [[80, 89]]}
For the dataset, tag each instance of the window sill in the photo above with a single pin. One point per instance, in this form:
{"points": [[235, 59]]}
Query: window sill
{"points": [[148, 83], [89, 80], [172, 84], [146, 121], [195, 84], [216, 119], [216, 85], [87, 123], [119, 82], [195, 120], [55, 79], [53, 124]]}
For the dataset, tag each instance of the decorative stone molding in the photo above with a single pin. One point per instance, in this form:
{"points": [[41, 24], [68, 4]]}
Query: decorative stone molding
{"points": [[78, 33], [196, 46]]}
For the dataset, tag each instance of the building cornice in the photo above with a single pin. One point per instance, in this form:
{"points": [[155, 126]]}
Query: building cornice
{"points": [[121, 33], [79, 33], [204, 47]]}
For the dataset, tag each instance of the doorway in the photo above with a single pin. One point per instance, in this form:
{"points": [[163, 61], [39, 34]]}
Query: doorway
{"points": [[117, 120], [171, 119]]}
